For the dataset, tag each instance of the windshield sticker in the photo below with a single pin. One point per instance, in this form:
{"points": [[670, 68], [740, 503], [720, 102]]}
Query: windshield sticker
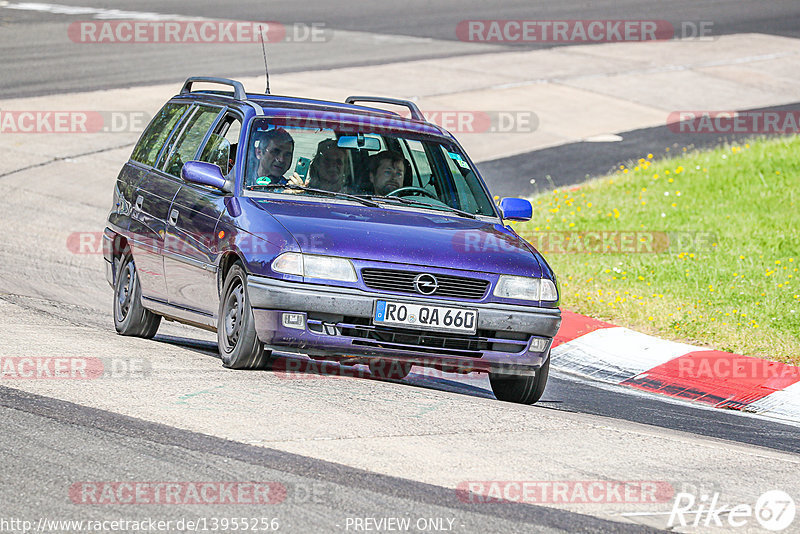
{"points": [[458, 159]]}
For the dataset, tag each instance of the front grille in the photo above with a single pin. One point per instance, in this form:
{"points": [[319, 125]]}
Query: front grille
{"points": [[365, 334], [403, 282], [433, 343]]}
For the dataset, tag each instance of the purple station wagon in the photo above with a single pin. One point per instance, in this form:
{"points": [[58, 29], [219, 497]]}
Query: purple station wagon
{"points": [[334, 230]]}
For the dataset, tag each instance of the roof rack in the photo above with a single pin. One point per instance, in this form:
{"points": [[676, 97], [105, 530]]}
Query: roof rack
{"points": [[238, 88], [415, 112]]}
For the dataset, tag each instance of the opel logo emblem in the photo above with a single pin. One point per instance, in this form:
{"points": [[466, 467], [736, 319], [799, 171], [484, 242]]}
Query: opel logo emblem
{"points": [[426, 284]]}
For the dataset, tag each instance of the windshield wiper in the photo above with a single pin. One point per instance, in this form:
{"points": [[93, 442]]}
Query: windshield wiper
{"points": [[419, 203], [324, 192]]}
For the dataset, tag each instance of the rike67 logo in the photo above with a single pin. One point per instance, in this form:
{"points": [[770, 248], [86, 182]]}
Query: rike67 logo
{"points": [[774, 510]]}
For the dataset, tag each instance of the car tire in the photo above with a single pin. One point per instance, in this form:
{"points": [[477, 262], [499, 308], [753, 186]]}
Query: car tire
{"points": [[389, 369], [520, 389], [239, 346], [130, 317]]}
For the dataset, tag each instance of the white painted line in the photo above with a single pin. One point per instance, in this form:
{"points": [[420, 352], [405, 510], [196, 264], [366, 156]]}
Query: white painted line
{"points": [[97, 13], [381, 38], [604, 138], [117, 14]]}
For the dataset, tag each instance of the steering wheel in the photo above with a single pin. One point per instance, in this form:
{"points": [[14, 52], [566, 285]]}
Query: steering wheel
{"points": [[404, 191]]}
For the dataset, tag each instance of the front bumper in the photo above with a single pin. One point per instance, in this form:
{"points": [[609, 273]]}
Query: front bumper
{"points": [[108, 255], [338, 321]]}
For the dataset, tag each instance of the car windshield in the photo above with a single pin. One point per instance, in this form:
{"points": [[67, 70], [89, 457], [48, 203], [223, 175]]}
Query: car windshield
{"points": [[386, 165]]}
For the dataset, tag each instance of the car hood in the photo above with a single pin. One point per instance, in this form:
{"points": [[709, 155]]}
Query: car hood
{"points": [[404, 236]]}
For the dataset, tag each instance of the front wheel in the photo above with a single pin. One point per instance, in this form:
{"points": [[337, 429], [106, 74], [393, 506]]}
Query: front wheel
{"points": [[238, 342], [520, 389], [130, 317]]}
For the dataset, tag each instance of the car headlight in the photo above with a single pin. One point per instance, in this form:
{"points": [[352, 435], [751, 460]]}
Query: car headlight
{"points": [[525, 288], [312, 266]]}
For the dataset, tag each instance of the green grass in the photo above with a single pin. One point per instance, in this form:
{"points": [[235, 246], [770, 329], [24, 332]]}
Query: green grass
{"points": [[735, 288]]}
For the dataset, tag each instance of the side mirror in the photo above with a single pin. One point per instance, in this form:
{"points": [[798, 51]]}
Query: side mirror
{"points": [[516, 209], [208, 174]]}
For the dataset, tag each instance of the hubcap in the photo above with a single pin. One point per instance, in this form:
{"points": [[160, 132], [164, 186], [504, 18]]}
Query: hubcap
{"points": [[125, 291], [234, 315]]}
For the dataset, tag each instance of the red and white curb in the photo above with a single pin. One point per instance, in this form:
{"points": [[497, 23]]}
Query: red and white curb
{"points": [[609, 353]]}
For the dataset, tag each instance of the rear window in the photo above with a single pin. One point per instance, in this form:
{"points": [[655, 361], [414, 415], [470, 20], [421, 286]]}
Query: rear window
{"points": [[153, 138]]}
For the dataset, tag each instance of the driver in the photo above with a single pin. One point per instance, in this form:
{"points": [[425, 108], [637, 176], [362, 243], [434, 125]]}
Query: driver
{"points": [[387, 171], [274, 150]]}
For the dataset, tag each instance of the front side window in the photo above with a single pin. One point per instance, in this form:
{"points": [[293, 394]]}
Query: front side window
{"points": [[153, 138], [222, 145], [375, 163]]}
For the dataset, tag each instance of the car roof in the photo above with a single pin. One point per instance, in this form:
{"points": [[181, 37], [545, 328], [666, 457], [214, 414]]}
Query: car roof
{"points": [[268, 102], [305, 103]]}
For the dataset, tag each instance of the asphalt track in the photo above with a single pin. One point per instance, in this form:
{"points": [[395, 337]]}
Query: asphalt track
{"points": [[421, 29], [353, 36], [319, 495], [47, 442]]}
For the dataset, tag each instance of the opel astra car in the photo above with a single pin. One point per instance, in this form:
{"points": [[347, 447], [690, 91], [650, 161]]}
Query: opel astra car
{"points": [[333, 230]]}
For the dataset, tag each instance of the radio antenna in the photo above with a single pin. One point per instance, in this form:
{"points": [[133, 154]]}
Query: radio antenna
{"points": [[264, 50]]}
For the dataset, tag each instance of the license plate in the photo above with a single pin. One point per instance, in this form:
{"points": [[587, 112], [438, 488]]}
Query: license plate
{"points": [[424, 317]]}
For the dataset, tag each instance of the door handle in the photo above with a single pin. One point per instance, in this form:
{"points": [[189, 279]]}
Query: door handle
{"points": [[139, 202], [173, 217]]}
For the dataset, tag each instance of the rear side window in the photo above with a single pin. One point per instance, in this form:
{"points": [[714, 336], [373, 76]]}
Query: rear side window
{"points": [[190, 140], [153, 138]]}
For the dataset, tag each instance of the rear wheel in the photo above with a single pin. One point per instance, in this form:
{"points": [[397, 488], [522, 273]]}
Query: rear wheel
{"points": [[130, 317], [520, 389], [238, 342], [389, 369]]}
